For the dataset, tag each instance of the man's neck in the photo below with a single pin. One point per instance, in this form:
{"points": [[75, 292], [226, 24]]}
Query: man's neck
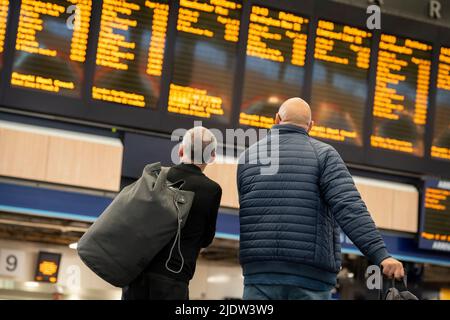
{"points": [[202, 167], [295, 124]]}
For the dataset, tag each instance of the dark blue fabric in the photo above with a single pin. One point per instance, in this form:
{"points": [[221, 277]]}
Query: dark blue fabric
{"points": [[282, 279], [290, 220], [265, 292]]}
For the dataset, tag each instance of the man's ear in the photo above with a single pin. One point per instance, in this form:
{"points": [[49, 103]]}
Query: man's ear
{"points": [[311, 125], [277, 119], [213, 157], [181, 151]]}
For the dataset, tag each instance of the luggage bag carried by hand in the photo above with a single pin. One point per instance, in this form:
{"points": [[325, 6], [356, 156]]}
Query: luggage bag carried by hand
{"points": [[393, 293], [139, 222]]}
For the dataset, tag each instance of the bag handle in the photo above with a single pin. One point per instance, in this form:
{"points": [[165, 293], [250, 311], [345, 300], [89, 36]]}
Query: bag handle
{"points": [[405, 283], [161, 177], [178, 184], [380, 292], [393, 280]]}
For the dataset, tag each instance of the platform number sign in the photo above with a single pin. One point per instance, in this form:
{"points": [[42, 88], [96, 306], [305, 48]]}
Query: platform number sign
{"points": [[11, 262]]}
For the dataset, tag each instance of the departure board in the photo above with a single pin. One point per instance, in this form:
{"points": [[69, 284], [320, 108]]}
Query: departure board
{"points": [[130, 52], [51, 46], [340, 82], [401, 95], [205, 58], [435, 220], [4, 10], [274, 68], [441, 140], [47, 267]]}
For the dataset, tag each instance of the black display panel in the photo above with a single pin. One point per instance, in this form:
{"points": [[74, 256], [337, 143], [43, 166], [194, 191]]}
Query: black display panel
{"points": [[441, 135], [212, 64], [51, 45], [340, 82], [130, 52], [401, 95], [274, 67], [4, 10], [47, 267], [434, 230], [205, 59]]}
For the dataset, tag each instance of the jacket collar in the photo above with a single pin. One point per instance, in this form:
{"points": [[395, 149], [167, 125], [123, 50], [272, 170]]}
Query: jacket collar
{"points": [[289, 128], [189, 167]]}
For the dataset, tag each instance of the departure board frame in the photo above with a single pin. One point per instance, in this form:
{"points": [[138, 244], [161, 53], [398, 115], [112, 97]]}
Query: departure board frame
{"points": [[306, 10], [36, 101], [160, 120], [124, 115], [433, 189], [353, 17], [6, 41], [84, 108], [173, 121], [438, 167], [394, 160]]}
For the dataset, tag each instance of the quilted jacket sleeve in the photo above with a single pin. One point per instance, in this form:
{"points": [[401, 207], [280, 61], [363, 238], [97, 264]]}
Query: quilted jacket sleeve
{"points": [[343, 199], [240, 167]]}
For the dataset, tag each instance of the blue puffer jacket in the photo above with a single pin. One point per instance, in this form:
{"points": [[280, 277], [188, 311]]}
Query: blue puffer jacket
{"points": [[290, 220]]}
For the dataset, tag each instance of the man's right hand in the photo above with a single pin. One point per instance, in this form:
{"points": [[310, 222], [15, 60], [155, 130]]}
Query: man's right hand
{"points": [[393, 268]]}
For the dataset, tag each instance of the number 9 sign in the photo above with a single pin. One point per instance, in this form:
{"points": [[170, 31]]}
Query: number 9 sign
{"points": [[11, 262]]}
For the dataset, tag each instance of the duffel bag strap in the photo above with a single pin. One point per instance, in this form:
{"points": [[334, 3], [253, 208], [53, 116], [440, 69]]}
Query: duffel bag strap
{"points": [[177, 241]]}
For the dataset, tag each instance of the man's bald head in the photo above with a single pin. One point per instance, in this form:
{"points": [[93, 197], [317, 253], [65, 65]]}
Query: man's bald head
{"points": [[295, 111]]}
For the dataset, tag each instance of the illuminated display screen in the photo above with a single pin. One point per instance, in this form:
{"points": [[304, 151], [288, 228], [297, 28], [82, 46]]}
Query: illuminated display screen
{"points": [[401, 95], [130, 52], [340, 82], [274, 68], [229, 75], [4, 9], [441, 141], [435, 221], [51, 46], [205, 58], [47, 267]]}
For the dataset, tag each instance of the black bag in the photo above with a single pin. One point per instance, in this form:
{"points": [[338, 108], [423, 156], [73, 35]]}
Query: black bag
{"points": [[395, 294], [139, 222]]}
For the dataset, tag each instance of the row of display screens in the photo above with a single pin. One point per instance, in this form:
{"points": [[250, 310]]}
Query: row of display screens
{"points": [[51, 44]]}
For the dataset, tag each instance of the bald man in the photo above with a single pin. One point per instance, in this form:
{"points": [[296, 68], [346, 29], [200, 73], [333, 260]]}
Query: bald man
{"points": [[297, 112], [290, 221]]}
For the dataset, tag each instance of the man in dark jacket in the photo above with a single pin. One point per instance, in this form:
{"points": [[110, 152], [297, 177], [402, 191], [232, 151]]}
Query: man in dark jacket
{"points": [[157, 282], [290, 235]]}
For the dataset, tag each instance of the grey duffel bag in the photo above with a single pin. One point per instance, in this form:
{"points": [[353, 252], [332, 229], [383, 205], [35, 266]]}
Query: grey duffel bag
{"points": [[139, 222]]}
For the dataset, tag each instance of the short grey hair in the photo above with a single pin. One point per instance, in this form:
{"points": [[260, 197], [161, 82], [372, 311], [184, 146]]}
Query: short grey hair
{"points": [[199, 145]]}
